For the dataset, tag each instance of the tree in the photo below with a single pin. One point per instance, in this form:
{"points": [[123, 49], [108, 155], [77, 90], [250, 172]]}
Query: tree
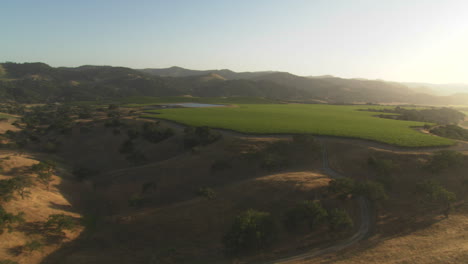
{"points": [[339, 220], [33, 245], [20, 183], [433, 192], [194, 136], [251, 231], [342, 187], [7, 220], [7, 190], [306, 143], [445, 159], [373, 191], [44, 170], [307, 212], [17, 184], [7, 261], [154, 133], [59, 222], [206, 192]]}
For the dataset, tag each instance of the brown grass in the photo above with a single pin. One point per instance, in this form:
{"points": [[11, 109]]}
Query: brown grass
{"points": [[37, 207]]}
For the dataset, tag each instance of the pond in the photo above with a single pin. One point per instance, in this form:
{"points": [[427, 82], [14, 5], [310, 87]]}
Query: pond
{"points": [[193, 105]]}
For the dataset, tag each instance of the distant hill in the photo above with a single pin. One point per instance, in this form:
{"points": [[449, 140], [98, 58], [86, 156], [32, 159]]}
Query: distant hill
{"points": [[439, 89], [181, 72], [38, 82]]}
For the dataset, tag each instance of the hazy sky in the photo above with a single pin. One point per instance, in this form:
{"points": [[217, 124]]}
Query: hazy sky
{"points": [[401, 40]]}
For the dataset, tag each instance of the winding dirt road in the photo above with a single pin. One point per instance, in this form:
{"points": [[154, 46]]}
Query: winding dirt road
{"points": [[362, 232]]}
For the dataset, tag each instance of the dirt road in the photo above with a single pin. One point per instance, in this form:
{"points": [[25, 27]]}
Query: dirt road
{"points": [[364, 228]]}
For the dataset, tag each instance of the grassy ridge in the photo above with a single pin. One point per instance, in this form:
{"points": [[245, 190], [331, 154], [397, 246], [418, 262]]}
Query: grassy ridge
{"points": [[2, 115], [138, 101], [332, 120], [146, 100]]}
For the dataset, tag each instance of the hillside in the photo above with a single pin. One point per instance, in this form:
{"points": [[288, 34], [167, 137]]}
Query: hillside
{"points": [[39, 83]]}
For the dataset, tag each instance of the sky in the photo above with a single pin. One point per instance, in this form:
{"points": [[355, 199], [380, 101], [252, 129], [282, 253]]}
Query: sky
{"points": [[398, 40]]}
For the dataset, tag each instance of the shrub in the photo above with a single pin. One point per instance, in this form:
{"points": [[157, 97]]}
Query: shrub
{"points": [[342, 187], [194, 136], [44, 170], [7, 220], [33, 246], [251, 231], [154, 133], [451, 131], [274, 162], [59, 222], [435, 193], [17, 184], [207, 193], [373, 191], [7, 190], [445, 159], [383, 167], [339, 220], [20, 183], [137, 158], [133, 133], [306, 142], [136, 201], [7, 261], [307, 212]]}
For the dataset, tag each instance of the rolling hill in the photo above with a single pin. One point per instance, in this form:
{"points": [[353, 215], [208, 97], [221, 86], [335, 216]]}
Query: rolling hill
{"points": [[39, 83]]}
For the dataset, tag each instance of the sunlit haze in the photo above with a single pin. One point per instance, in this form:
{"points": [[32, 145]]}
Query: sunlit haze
{"points": [[395, 40]]}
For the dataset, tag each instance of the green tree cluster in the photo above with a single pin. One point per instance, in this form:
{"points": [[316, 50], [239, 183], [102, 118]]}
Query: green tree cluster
{"points": [[309, 213], [195, 136], [445, 159], [252, 230]]}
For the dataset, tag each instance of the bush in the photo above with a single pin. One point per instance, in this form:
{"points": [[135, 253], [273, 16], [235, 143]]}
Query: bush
{"points": [[133, 133], [207, 193], [342, 187], [435, 193], [154, 133], [307, 212], [445, 159], [136, 201], [274, 162], [195, 136], [451, 131], [383, 167], [17, 184], [20, 183], [339, 220], [7, 261], [373, 191], [44, 170], [137, 158], [306, 142], [252, 230], [33, 246], [347, 187], [59, 222], [7, 220]]}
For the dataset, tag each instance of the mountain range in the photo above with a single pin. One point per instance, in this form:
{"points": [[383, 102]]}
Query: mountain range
{"points": [[39, 82]]}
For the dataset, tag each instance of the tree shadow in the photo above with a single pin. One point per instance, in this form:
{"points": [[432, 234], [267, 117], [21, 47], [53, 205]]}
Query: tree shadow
{"points": [[50, 235], [62, 207]]}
